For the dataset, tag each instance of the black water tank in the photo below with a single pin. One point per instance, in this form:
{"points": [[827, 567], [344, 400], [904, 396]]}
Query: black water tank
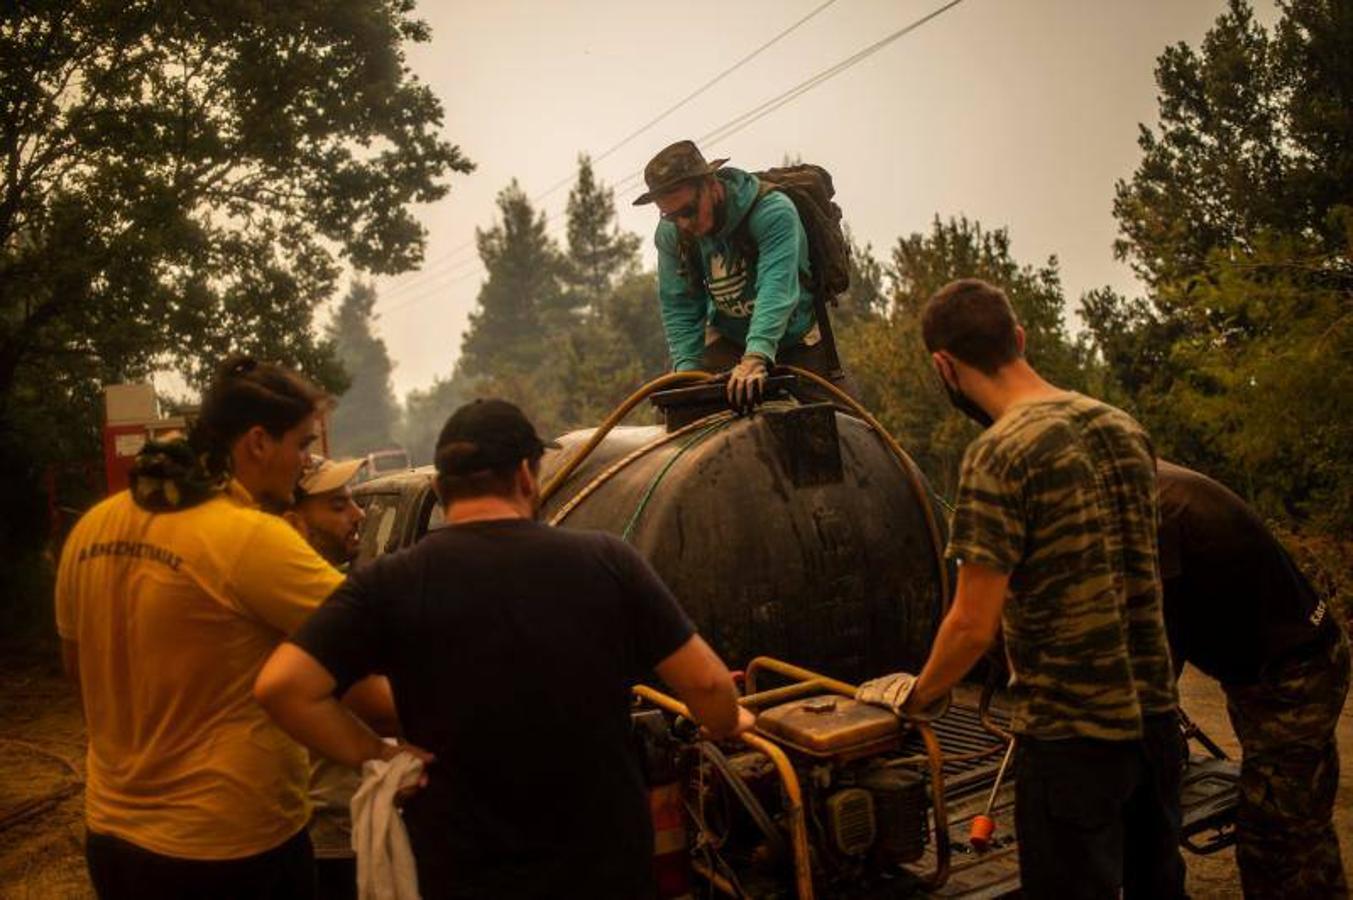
{"points": [[792, 532]]}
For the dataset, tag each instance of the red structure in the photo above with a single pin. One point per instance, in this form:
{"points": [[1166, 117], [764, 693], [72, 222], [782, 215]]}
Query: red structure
{"points": [[131, 417]]}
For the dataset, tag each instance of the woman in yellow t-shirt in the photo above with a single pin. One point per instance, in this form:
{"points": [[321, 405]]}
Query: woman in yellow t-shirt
{"points": [[170, 595]]}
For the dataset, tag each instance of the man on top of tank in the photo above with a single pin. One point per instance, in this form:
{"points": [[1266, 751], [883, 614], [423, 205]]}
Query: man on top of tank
{"points": [[718, 312]]}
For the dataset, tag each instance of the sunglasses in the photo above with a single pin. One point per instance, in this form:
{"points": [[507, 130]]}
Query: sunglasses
{"points": [[689, 211]]}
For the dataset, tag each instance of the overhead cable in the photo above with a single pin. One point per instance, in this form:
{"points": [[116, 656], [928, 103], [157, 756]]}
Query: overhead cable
{"points": [[641, 129], [745, 120]]}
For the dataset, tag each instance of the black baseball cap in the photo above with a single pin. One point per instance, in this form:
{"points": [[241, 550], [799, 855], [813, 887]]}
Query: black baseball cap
{"points": [[487, 434]]}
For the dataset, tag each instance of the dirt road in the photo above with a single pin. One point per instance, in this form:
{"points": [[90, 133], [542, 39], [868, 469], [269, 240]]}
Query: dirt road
{"points": [[42, 859]]}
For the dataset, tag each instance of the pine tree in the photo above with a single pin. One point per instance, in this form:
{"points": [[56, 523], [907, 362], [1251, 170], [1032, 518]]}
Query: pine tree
{"points": [[367, 413], [426, 411], [599, 253], [521, 296]]}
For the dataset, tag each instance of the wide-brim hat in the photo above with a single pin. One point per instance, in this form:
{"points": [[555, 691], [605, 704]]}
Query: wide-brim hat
{"points": [[674, 164]]}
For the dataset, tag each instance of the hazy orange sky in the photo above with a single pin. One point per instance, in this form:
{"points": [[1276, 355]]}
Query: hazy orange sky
{"points": [[1016, 113]]}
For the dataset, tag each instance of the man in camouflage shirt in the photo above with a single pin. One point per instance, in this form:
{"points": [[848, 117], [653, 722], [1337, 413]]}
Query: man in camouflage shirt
{"points": [[1055, 535]]}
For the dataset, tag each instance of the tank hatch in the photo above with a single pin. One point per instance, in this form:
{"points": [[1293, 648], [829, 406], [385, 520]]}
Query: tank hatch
{"points": [[831, 726], [810, 446], [682, 406]]}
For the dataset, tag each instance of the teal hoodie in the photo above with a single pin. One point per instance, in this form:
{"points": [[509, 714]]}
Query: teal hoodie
{"points": [[766, 312]]}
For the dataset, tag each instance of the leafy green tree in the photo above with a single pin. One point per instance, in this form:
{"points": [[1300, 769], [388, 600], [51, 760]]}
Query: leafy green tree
{"points": [[631, 311], [521, 294], [1255, 134], [1238, 220], [1275, 402], [887, 358], [866, 297], [179, 180], [367, 413], [179, 176]]}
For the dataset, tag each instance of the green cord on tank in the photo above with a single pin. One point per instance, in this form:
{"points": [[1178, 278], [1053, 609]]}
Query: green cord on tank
{"points": [[662, 473]]}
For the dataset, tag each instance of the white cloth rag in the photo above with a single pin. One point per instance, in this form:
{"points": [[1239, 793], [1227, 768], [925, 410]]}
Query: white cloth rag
{"points": [[385, 866]]}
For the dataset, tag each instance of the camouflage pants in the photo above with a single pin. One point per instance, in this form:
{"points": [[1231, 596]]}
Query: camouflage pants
{"points": [[1289, 773]]}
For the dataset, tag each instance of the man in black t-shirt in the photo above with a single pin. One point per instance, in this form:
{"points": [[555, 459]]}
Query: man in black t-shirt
{"points": [[1239, 609], [511, 648]]}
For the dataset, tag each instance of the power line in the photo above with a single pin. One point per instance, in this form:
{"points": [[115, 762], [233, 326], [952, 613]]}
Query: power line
{"points": [[733, 126], [637, 132], [691, 96], [745, 120]]}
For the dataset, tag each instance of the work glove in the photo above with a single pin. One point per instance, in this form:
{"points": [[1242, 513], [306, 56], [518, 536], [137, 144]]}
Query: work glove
{"points": [[891, 692], [747, 382]]}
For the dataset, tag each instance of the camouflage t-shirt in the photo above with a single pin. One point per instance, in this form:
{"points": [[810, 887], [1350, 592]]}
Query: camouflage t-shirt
{"points": [[1060, 493]]}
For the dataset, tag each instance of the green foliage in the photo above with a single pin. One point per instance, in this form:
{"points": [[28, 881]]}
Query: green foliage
{"points": [[866, 297], [1255, 135], [567, 336], [599, 253], [521, 294], [179, 182], [887, 358], [1267, 377], [1238, 219], [367, 413], [180, 174]]}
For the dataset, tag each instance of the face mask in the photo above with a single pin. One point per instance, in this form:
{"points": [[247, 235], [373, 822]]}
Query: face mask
{"points": [[964, 404]]}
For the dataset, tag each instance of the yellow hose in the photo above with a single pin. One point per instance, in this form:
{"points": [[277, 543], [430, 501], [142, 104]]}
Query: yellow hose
{"points": [[605, 475], [614, 419]]}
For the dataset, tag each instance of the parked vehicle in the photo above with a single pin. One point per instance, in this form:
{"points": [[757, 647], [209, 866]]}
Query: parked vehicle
{"points": [[383, 462]]}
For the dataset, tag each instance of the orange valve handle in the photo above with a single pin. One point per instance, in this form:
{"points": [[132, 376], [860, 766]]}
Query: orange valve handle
{"points": [[983, 827]]}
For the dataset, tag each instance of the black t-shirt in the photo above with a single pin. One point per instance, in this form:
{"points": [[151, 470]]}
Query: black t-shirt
{"points": [[1235, 601], [511, 648]]}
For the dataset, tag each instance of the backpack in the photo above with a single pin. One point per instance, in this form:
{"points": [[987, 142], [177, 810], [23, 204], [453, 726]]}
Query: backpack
{"points": [[811, 190]]}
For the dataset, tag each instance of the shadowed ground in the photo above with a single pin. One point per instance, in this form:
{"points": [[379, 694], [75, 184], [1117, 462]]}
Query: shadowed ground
{"points": [[42, 858]]}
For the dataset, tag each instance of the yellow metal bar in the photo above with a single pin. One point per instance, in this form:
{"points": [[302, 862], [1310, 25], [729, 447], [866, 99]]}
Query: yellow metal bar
{"points": [[803, 869], [798, 673], [803, 864], [780, 694], [932, 745]]}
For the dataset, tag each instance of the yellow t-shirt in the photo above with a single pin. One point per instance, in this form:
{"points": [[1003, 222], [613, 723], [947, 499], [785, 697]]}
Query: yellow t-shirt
{"points": [[174, 614]]}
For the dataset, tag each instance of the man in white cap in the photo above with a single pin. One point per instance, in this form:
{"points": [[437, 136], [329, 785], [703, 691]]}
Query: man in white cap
{"points": [[326, 516], [324, 512]]}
